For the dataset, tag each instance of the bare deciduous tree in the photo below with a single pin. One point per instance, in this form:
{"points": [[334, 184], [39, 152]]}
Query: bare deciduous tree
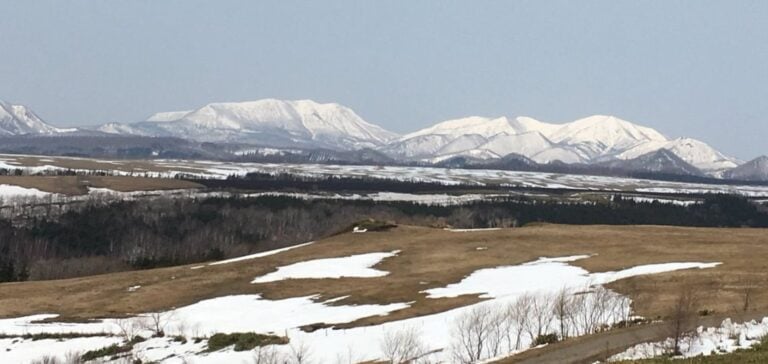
{"points": [[748, 286], [157, 322], [267, 355], [683, 317], [541, 316], [562, 306], [519, 314], [300, 353], [402, 346], [470, 334], [128, 328]]}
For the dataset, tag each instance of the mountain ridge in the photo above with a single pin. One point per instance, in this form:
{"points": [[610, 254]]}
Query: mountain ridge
{"points": [[307, 124]]}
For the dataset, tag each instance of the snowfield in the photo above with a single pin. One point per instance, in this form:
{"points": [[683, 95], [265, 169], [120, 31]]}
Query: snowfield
{"points": [[502, 287]]}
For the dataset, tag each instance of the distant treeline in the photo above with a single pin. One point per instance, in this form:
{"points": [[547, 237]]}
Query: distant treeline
{"points": [[145, 233], [286, 182], [330, 183]]}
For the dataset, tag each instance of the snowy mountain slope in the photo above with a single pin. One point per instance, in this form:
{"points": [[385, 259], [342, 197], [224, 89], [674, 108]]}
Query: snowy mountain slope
{"points": [[474, 136], [592, 139], [600, 135], [529, 143], [560, 153], [19, 120], [690, 150], [267, 122], [754, 170], [168, 116], [659, 161], [117, 128]]}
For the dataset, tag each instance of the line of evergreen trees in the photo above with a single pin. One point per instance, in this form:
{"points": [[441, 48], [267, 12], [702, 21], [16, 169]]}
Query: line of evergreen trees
{"points": [[147, 233]]}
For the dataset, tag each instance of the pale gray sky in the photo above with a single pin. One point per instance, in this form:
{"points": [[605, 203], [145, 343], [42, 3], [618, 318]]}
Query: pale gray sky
{"points": [[687, 68]]}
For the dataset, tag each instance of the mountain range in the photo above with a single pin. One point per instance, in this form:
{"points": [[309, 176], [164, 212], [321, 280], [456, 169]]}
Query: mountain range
{"points": [[599, 140]]}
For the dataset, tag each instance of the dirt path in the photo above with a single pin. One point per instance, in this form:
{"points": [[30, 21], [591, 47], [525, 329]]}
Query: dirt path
{"points": [[589, 349]]}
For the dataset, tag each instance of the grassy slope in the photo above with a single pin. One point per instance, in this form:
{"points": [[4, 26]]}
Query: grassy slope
{"points": [[429, 258]]}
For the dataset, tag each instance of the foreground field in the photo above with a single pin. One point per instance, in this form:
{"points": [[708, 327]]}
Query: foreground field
{"points": [[428, 258], [412, 265]]}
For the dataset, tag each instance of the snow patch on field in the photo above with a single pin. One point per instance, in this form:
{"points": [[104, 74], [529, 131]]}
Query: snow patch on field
{"points": [[708, 341], [500, 286], [27, 350], [359, 266], [472, 230], [260, 255], [244, 313], [13, 191]]}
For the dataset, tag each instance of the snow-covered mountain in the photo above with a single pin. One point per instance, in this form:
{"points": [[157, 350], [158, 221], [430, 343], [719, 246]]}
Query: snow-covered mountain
{"points": [[754, 170], [267, 122], [20, 120], [592, 139], [308, 125], [659, 161]]}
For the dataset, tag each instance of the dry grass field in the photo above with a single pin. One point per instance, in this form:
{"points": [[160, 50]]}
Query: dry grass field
{"points": [[430, 258], [78, 185]]}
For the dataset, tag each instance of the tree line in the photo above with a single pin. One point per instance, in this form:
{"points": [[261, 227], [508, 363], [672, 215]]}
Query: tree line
{"points": [[103, 235]]}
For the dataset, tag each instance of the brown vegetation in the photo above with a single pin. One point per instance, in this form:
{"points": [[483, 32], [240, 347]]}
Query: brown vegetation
{"points": [[78, 185], [431, 258]]}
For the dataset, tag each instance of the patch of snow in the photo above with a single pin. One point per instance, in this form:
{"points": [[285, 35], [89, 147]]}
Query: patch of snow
{"points": [[27, 350], [14, 191], [244, 313], [472, 230], [358, 266], [260, 255]]}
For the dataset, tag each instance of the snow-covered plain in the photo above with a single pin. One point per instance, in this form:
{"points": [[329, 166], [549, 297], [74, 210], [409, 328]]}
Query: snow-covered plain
{"points": [[477, 177], [243, 313], [727, 338]]}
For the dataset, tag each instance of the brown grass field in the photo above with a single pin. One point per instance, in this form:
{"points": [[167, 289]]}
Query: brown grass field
{"points": [[430, 258], [78, 185]]}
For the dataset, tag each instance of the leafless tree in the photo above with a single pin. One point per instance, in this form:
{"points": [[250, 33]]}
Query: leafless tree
{"points": [[748, 286], [402, 346], [471, 332], [157, 322], [266, 355], [518, 313], [683, 317], [541, 316], [562, 306], [300, 353], [128, 328]]}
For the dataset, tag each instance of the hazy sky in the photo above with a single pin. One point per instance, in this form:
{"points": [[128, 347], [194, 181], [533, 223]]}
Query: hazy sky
{"points": [[687, 68]]}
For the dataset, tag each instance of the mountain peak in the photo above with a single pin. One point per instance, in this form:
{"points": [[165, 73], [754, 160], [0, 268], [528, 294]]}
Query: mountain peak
{"points": [[754, 170], [269, 122], [19, 119]]}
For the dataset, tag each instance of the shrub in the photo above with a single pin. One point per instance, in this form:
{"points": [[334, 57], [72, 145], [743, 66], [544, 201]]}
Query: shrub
{"points": [[545, 339], [112, 350], [243, 341], [109, 351]]}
